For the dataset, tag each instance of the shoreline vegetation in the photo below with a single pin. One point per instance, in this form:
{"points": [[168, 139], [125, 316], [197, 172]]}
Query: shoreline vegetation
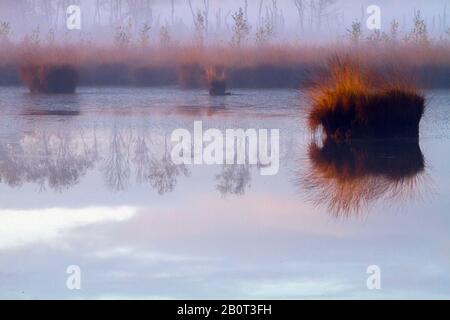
{"points": [[131, 57], [195, 62], [50, 78], [271, 66], [246, 58]]}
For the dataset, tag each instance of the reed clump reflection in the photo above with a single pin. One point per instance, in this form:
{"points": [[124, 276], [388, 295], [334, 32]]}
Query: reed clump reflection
{"points": [[347, 176], [356, 102]]}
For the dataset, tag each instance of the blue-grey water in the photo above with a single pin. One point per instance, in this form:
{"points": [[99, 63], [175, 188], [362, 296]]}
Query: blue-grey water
{"points": [[87, 180]]}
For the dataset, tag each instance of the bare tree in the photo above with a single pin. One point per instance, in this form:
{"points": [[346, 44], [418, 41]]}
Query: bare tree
{"points": [[419, 34], [5, 31], [265, 31], [164, 37], [206, 14], [172, 11], [394, 30], [322, 9], [241, 28], [318, 12], [355, 33], [301, 6], [139, 11], [123, 35], [219, 20], [144, 35], [200, 17]]}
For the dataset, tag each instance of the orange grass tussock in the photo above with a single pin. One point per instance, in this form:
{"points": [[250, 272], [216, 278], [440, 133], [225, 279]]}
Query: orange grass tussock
{"points": [[357, 102]]}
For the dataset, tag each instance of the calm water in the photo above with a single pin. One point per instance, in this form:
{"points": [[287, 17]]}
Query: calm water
{"points": [[87, 180]]}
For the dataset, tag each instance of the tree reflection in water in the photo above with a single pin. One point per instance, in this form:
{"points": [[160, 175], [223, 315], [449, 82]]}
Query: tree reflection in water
{"points": [[141, 159], [116, 168], [347, 177], [49, 160], [234, 179], [57, 158], [163, 173]]}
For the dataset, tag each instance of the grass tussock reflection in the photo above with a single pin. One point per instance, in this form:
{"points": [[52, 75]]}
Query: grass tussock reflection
{"points": [[348, 176]]}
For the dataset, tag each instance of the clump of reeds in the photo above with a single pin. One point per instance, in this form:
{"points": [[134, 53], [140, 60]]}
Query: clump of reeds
{"points": [[50, 78], [217, 81], [355, 102], [347, 176]]}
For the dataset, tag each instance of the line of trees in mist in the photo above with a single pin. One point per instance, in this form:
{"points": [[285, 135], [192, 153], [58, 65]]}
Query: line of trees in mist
{"points": [[146, 21]]}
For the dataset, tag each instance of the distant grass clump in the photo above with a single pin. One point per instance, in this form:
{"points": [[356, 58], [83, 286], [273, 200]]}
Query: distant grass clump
{"points": [[217, 81], [50, 78], [353, 102]]}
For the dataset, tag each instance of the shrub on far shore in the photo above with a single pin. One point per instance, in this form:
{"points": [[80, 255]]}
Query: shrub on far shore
{"points": [[50, 78]]}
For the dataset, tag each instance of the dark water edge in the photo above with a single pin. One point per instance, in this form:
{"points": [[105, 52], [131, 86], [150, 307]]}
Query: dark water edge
{"points": [[191, 76]]}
